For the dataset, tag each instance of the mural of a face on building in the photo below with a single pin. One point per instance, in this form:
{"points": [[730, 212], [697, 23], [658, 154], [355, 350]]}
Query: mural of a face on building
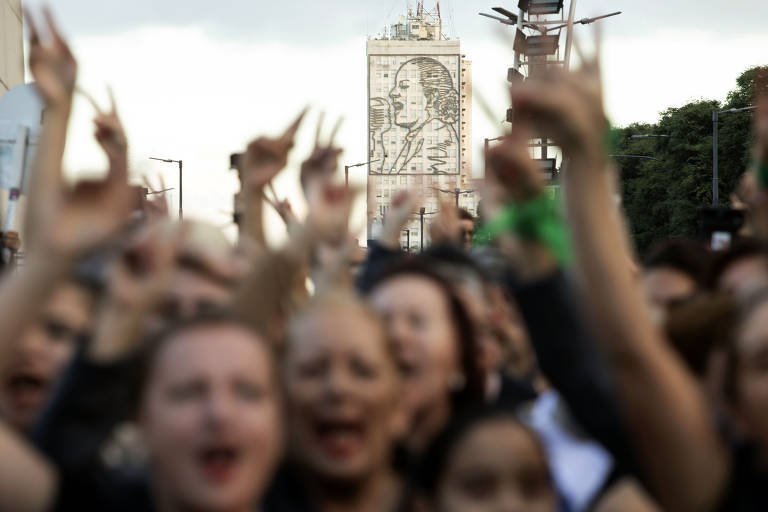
{"points": [[422, 92]]}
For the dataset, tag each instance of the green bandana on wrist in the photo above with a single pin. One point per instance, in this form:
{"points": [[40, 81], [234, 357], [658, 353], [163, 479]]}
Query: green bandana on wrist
{"points": [[535, 219]]}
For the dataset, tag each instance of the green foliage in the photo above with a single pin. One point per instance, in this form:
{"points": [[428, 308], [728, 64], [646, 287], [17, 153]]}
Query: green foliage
{"points": [[664, 198]]}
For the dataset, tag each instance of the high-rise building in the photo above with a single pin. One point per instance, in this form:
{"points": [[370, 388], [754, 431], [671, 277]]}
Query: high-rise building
{"points": [[419, 121], [11, 45]]}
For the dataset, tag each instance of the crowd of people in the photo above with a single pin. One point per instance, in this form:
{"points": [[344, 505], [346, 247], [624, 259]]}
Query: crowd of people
{"points": [[528, 362]]}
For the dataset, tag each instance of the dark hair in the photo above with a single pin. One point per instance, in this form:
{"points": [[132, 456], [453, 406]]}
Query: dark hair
{"points": [[684, 255], [473, 391], [465, 215], [435, 459], [155, 342], [699, 326], [742, 248]]}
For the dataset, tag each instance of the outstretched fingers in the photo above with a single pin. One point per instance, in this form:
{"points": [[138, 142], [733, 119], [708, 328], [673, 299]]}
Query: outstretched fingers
{"points": [[290, 132]]}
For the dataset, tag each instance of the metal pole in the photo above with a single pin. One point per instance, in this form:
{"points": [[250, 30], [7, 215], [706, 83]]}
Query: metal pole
{"points": [[421, 228], [457, 192], [569, 35], [181, 192], [346, 176], [407, 240], [715, 176]]}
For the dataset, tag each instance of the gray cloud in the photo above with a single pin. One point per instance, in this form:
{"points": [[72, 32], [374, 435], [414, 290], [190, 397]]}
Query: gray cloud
{"points": [[312, 22]]}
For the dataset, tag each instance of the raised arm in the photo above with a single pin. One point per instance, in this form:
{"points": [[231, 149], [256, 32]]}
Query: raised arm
{"points": [[65, 224], [666, 413], [263, 159]]}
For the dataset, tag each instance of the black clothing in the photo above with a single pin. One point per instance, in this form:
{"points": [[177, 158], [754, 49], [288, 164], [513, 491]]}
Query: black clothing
{"points": [[90, 400], [748, 487]]}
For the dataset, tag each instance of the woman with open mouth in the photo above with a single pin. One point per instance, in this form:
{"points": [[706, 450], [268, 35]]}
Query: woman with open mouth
{"points": [[209, 413], [342, 393]]}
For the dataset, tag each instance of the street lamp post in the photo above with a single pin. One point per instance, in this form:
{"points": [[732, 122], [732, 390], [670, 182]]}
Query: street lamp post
{"points": [[456, 192], [421, 228], [715, 175], [348, 167], [181, 182]]}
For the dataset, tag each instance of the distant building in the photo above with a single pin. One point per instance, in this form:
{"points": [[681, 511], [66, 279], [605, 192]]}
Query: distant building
{"points": [[11, 45], [419, 120]]}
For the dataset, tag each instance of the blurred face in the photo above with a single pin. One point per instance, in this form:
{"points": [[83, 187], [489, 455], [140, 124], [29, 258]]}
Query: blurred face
{"points": [[190, 292], [341, 385], [211, 419], [44, 349], [744, 276], [664, 286], [496, 467], [752, 377], [417, 317]]}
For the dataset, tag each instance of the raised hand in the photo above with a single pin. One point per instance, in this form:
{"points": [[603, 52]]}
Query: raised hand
{"points": [[110, 133], [329, 210], [52, 65], [401, 208], [265, 157], [137, 283], [510, 168], [445, 228], [568, 107], [156, 208], [323, 162]]}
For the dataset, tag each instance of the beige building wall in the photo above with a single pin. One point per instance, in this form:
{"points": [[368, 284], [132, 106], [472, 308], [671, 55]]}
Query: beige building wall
{"points": [[12, 54], [412, 145]]}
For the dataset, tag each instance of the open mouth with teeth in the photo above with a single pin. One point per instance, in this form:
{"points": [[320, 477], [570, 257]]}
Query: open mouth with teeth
{"points": [[398, 106], [26, 390], [340, 439], [219, 462]]}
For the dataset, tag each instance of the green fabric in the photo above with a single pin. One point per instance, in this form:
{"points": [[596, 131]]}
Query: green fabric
{"points": [[762, 174], [537, 219]]}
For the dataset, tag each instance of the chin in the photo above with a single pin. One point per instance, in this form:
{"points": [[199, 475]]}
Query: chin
{"points": [[214, 500]]}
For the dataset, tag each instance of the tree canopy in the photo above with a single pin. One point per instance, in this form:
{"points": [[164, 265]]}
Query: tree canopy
{"points": [[663, 198]]}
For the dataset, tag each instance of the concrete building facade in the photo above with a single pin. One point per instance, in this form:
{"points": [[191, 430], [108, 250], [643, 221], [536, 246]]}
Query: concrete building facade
{"points": [[419, 121], [12, 49]]}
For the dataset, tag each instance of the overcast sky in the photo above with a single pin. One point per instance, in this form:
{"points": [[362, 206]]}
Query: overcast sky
{"points": [[195, 79]]}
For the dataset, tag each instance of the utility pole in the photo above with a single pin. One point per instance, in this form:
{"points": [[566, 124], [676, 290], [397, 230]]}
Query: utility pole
{"points": [[421, 228], [348, 167], [181, 182], [715, 170]]}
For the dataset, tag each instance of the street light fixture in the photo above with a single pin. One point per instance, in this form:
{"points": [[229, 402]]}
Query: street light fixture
{"points": [[348, 167], [715, 175], [456, 192], [181, 181], [648, 136]]}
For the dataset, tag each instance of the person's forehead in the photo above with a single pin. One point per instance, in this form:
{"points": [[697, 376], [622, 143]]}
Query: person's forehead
{"points": [[407, 290], [337, 329], [212, 346]]}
